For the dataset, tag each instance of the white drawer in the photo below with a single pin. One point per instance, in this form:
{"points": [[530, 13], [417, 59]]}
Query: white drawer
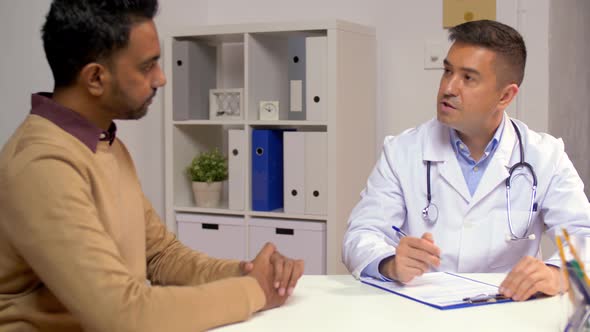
{"points": [[300, 239], [217, 236]]}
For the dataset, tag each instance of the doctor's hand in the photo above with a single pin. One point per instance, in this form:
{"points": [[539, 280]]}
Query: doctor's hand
{"points": [[276, 274], [530, 276], [413, 257]]}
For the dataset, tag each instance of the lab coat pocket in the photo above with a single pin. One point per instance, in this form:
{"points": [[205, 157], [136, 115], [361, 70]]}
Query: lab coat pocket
{"points": [[504, 253]]}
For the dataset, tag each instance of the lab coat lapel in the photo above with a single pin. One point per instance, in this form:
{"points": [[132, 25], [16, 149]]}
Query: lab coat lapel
{"points": [[497, 170], [437, 149]]}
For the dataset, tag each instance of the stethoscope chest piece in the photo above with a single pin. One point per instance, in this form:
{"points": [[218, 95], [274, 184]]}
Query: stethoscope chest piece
{"points": [[430, 213]]}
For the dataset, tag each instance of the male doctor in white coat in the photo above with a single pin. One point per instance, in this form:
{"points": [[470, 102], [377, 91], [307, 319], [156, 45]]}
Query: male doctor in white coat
{"points": [[465, 156]]}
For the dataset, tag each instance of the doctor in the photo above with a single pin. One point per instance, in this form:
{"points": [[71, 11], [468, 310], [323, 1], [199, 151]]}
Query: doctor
{"points": [[443, 184]]}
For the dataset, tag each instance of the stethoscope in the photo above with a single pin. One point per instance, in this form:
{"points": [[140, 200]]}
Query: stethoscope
{"points": [[430, 212]]}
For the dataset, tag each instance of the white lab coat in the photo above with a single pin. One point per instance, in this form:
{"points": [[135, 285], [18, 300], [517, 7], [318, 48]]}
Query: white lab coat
{"points": [[470, 231]]}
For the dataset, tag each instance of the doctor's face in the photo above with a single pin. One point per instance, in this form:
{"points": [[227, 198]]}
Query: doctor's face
{"points": [[469, 94]]}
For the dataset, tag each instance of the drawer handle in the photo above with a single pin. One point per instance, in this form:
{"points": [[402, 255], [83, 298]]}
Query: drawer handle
{"points": [[284, 231], [210, 226]]}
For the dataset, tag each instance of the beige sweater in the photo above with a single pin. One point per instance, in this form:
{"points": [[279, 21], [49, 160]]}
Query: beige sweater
{"points": [[78, 240]]}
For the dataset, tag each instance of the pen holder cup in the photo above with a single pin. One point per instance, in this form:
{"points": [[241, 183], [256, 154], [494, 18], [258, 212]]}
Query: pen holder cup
{"points": [[578, 271]]}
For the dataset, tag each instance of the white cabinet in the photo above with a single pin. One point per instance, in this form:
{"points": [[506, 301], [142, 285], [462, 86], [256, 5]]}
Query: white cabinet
{"points": [[300, 239], [322, 77], [216, 235]]}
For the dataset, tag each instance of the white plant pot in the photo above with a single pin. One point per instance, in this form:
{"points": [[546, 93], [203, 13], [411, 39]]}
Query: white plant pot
{"points": [[207, 195]]}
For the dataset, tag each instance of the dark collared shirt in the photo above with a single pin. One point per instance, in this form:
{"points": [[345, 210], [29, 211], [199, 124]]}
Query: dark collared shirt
{"points": [[70, 121]]}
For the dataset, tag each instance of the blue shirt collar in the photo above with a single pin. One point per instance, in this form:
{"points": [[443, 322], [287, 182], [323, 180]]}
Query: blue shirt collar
{"points": [[460, 148]]}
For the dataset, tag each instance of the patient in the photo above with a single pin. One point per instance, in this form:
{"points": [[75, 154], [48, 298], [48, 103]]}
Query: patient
{"points": [[78, 238]]}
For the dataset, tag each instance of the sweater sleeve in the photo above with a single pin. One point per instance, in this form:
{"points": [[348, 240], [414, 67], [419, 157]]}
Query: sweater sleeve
{"points": [[169, 262], [51, 220]]}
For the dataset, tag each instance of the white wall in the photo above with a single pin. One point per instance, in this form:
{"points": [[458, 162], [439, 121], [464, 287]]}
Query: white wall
{"points": [[570, 80], [23, 68], [532, 17], [406, 93]]}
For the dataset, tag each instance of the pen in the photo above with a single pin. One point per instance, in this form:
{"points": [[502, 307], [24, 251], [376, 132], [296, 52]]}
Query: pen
{"points": [[399, 231], [576, 257], [564, 267], [485, 298], [577, 279]]}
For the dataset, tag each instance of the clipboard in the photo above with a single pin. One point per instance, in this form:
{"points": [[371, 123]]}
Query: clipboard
{"points": [[442, 290]]}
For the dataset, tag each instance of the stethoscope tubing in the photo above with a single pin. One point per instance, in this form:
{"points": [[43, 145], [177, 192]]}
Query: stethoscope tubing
{"points": [[427, 215]]}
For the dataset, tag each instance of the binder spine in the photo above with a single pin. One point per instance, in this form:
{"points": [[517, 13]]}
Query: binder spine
{"points": [[316, 49], [294, 176], [236, 173], [296, 74], [267, 169]]}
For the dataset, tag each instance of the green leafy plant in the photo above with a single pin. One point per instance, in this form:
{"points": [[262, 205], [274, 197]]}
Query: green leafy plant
{"points": [[208, 167]]}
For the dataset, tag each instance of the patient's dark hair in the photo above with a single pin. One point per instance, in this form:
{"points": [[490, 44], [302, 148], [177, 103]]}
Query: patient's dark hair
{"points": [[500, 38], [79, 32]]}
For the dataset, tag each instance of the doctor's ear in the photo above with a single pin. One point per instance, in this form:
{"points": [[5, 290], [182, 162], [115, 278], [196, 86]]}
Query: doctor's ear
{"points": [[508, 93], [94, 78]]}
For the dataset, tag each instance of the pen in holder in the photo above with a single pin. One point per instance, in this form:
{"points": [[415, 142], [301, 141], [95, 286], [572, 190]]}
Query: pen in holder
{"points": [[581, 299], [578, 283]]}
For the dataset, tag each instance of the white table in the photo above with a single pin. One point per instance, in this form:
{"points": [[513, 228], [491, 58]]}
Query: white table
{"points": [[341, 303]]}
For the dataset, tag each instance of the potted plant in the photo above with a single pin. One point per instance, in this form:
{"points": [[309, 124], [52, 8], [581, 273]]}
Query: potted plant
{"points": [[207, 171]]}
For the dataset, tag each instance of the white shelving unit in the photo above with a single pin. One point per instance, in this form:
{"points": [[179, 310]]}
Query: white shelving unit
{"points": [[254, 57]]}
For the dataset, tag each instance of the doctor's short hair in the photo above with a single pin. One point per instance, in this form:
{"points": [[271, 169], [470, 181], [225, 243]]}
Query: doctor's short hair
{"points": [[500, 38], [79, 32]]}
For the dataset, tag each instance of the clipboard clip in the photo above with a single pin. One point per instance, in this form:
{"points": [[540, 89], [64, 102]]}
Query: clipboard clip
{"points": [[483, 298]]}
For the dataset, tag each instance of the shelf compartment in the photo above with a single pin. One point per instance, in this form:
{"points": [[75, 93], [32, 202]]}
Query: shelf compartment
{"points": [[199, 65], [189, 141], [272, 60]]}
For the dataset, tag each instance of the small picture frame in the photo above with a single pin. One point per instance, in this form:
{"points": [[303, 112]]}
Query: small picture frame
{"points": [[226, 104]]}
